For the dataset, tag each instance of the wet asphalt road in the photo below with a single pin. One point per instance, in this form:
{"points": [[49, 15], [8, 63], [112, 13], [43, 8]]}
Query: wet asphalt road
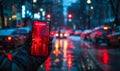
{"points": [[106, 58], [70, 55], [75, 54]]}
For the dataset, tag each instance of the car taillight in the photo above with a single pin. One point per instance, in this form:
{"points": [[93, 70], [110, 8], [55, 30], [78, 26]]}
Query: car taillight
{"points": [[51, 33], [9, 56], [9, 38], [105, 28], [99, 33]]}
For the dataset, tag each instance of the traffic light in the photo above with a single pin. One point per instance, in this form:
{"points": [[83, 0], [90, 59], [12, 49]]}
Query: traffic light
{"points": [[70, 17]]}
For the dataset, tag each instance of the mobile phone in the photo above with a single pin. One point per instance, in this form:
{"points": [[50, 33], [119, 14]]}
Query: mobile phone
{"points": [[40, 38]]}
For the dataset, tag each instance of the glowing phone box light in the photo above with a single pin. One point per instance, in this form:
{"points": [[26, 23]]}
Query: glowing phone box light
{"points": [[40, 38]]}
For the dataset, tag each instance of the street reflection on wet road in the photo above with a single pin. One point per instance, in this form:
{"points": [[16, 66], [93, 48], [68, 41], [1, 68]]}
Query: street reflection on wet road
{"points": [[106, 58], [63, 57], [70, 55]]}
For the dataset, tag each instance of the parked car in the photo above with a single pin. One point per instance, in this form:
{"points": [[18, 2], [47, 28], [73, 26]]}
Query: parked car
{"points": [[85, 33], [13, 38], [114, 39], [77, 32], [99, 34], [23, 31]]}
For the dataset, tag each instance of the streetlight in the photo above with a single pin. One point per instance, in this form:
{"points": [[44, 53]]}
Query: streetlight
{"points": [[34, 1], [89, 12], [91, 7], [41, 9], [88, 1], [48, 16]]}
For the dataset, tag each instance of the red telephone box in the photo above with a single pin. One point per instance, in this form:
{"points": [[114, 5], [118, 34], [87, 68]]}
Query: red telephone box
{"points": [[40, 38]]}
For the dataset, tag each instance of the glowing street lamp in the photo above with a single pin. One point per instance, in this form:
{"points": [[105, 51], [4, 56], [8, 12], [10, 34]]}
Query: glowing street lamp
{"points": [[48, 16], [41, 9], [88, 1], [34, 1], [91, 7]]}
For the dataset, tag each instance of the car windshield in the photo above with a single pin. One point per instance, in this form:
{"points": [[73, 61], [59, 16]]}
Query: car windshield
{"points": [[21, 31], [78, 35]]}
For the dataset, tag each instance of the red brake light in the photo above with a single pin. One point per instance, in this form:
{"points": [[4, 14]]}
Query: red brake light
{"points": [[52, 33], [105, 28], [9, 38], [99, 33], [105, 57], [9, 56]]}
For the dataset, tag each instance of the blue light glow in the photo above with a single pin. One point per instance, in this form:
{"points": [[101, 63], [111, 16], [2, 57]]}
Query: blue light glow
{"points": [[36, 16]]}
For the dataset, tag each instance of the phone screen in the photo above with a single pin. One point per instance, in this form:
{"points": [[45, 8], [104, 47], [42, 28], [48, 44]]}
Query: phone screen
{"points": [[40, 38]]}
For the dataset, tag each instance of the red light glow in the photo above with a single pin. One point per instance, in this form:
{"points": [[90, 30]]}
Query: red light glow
{"points": [[9, 56], [47, 64], [69, 16], [99, 33], [105, 59], [40, 36], [69, 61]]}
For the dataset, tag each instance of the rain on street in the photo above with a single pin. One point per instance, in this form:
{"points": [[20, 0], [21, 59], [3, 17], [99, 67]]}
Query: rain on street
{"points": [[78, 55]]}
